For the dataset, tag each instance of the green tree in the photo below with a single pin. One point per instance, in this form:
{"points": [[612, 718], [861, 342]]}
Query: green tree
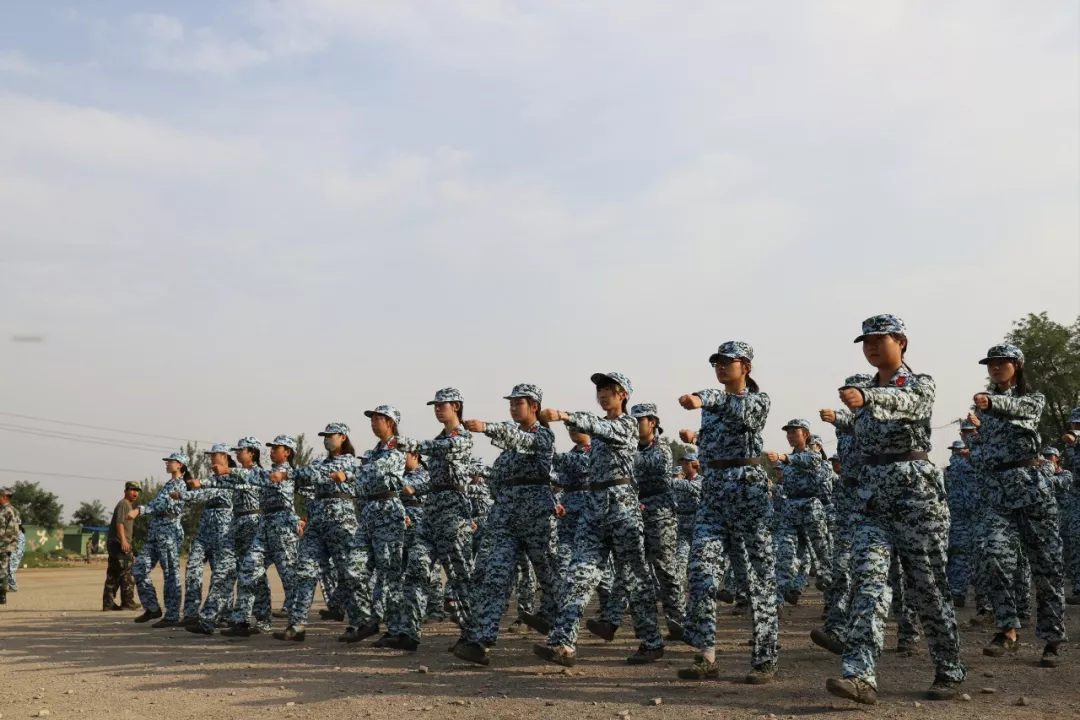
{"points": [[37, 506], [1051, 366], [90, 514]]}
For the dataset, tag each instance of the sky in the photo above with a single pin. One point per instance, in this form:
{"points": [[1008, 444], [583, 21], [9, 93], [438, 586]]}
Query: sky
{"points": [[260, 216]]}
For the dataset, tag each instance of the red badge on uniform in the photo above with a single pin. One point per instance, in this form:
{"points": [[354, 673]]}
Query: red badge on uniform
{"points": [[900, 381]]}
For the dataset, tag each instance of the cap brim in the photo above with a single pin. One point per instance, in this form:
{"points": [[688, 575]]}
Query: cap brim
{"points": [[325, 434], [600, 379], [167, 459], [369, 413]]}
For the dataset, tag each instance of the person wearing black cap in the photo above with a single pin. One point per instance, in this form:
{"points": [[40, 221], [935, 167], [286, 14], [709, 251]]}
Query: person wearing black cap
{"points": [[118, 543], [1023, 510], [611, 522]]}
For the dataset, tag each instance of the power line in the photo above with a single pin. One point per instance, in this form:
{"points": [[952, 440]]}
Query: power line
{"points": [[63, 475], [107, 429], [106, 443], [66, 435]]}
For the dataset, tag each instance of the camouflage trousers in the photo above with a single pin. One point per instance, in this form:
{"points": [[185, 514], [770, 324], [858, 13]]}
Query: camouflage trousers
{"points": [[14, 561], [836, 608], [245, 531], [276, 543], [445, 536], [733, 519], [1033, 529], [328, 541], [5, 557], [380, 544], [803, 522], [661, 548], [516, 531], [163, 542], [210, 541], [961, 554], [118, 577], [1070, 536], [525, 584], [905, 515], [618, 532], [682, 545]]}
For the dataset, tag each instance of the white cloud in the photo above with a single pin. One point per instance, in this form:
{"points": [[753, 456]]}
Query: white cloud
{"points": [[167, 45]]}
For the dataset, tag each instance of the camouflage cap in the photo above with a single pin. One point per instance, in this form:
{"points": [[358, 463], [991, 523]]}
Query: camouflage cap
{"points": [[966, 424], [386, 411], [1048, 451], [219, 448], [247, 443], [132, 485], [335, 429], [6, 491], [958, 445], [477, 468], [525, 390], [1003, 352], [857, 379], [834, 458], [1074, 417], [447, 395], [882, 325], [733, 349], [797, 424], [816, 440], [283, 441], [599, 379], [644, 410], [179, 457], [690, 457]]}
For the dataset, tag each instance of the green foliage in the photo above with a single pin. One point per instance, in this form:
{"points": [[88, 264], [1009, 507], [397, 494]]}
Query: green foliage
{"points": [[37, 506], [91, 514], [1051, 366]]}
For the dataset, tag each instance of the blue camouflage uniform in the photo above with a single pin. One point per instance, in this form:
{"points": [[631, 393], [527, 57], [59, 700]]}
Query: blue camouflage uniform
{"points": [[419, 480], [901, 509], [329, 536], [380, 538], [804, 518], [276, 541], [522, 520], [1071, 520], [687, 492], [572, 473], [163, 541], [610, 522], [735, 514], [211, 540], [1022, 509], [445, 533], [962, 488]]}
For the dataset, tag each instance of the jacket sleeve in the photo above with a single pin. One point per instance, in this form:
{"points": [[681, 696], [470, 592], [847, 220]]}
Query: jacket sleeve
{"points": [[913, 401], [1023, 407], [622, 431]]}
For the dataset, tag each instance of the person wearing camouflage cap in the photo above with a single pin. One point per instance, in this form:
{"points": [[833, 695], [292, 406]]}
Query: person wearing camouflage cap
{"points": [[275, 540], [736, 512], [521, 522], [9, 538], [213, 539], [902, 512], [965, 507], [611, 523], [380, 537], [1071, 519], [1022, 512], [118, 575], [830, 635], [1065, 494], [572, 481], [803, 515], [329, 536], [164, 539], [445, 532], [687, 492]]}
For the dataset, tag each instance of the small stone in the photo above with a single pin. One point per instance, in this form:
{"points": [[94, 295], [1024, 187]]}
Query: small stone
{"points": [[988, 674], [988, 691], [281, 687], [458, 702], [36, 697], [289, 704], [63, 614], [549, 704], [423, 670], [43, 712], [656, 701], [623, 714], [965, 697], [918, 704], [565, 671], [337, 668], [70, 692], [1023, 701]]}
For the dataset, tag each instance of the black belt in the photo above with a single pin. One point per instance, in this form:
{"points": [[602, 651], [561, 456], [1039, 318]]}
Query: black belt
{"points": [[1018, 464], [382, 496], [737, 462], [168, 517], [335, 496], [850, 482], [242, 513], [443, 488], [609, 484], [411, 501], [268, 511], [217, 507], [642, 494], [527, 481], [890, 458]]}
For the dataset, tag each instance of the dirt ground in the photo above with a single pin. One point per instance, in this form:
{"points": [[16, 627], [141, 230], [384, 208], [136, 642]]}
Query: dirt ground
{"points": [[61, 653]]}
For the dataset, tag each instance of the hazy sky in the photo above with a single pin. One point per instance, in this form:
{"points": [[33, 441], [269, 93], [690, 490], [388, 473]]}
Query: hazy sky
{"points": [[256, 217]]}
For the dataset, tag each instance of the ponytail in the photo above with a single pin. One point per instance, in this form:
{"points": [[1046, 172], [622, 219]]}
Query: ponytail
{"points": [[751, 384], [187, 473]]}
